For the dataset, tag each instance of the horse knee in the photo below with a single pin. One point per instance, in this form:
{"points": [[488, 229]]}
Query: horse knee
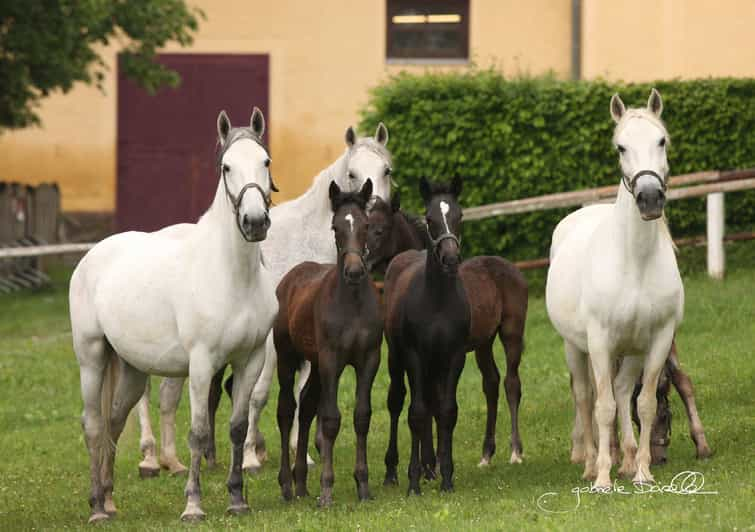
{"points": [[199, 440], [605, 411], [330, 424], [238, 431], [362, 420], [417, 417]]}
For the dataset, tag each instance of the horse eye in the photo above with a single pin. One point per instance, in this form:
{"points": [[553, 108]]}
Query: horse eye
{"points": [[226, 168], [621, 148], [662, 142], [267, 163], [352, 176], [387, 171]]}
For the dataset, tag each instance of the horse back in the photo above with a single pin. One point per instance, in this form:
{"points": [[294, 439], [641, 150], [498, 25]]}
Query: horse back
{"points": [[496, 291]]}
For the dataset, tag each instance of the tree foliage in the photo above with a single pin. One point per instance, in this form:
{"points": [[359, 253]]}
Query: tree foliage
{"points": [[517, 138], [46, 45]]}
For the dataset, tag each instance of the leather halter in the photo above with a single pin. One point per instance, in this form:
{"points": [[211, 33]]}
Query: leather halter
{"points": [[447, 235], [236, 201], [631, 182]]}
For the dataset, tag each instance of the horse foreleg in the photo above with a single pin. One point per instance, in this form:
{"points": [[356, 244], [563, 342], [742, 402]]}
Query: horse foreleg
{"points": [[200, 377], [491, 383], [149, 466], [447, 417], [307, 403], [128, 391], [285, 416], [216, 392], [683, 386], [362, 415], [170, 395], [630, 370], [419, 417], [396, 395], [330, 418], [247, 373], [647, 403]]}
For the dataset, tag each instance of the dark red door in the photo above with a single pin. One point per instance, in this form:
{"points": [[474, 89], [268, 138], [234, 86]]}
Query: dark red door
{"points": [[166, 141]]}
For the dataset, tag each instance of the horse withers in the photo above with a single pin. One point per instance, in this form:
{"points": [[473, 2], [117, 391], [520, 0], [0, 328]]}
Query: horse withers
{"points": [[176, 302], [614, 293], [330, 316]]}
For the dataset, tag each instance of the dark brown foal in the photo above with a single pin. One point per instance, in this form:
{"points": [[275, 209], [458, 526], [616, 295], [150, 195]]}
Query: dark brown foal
{"points": [[330, 315], [498, 306]]}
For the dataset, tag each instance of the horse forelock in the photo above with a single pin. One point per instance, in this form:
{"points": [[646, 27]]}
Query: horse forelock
{"points": [[374, 146], [237, 133], [640, 112]]}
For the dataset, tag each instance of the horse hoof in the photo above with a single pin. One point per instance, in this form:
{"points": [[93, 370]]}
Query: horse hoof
{"points": [[97, 517], [484, 461], [193, 516], [324, 502], [704, 453], [413, 491], [176, 469], [391, 479], [516, 458], [238, 509], [148, 472], [430, 473]]}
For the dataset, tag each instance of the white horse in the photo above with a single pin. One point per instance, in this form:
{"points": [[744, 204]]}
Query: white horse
{"points": [[615, 295], [185, 300], [301, 231]]}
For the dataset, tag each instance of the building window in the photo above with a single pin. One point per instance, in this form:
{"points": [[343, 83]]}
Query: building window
{"points": [[427, 29]]}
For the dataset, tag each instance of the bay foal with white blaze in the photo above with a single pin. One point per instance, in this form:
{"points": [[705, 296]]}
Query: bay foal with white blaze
{"points": [[614, 293], [185, 300], [300, 231]]}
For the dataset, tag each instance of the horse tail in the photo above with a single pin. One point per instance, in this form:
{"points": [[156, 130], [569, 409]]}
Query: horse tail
{"points": [[112, 370]]}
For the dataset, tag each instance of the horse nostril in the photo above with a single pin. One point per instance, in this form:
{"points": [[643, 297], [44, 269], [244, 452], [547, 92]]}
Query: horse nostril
{"points": [[245, 222]]}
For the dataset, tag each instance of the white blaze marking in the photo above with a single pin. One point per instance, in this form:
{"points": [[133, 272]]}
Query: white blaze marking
{"points": [[349, 218], [443, 211]]}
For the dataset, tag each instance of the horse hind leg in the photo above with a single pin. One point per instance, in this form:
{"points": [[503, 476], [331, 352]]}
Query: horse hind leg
{"points": [[128, 390], [683, 386], [491, 382], [512, 336], [94, 364], [304, 373], [216, 391], [582, 392], [254, 444], [149, 466], [171, 389]]}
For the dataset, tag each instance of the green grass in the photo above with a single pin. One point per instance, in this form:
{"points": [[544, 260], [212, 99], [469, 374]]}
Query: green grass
{"points": [[44, 473]]}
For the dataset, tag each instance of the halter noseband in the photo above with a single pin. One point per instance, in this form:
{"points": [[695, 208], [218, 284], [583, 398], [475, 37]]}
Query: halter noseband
{"points": [[236, 201], [443, 236], [630, 183]]}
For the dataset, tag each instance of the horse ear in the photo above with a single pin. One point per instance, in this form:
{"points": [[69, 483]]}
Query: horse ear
{"points": [[366, 191], [424, 190], [351, 137], [457, 183], [617, 108], [224, 126], [257, 122], [334, 192], [381, 134], [395, 201], [655, 104]]}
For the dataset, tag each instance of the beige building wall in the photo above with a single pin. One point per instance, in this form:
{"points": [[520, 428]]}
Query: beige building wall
{"points": [[325, 55], [644, 40]]}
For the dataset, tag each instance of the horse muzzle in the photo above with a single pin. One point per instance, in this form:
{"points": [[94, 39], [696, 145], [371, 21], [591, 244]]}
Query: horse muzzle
{"points": [[650, 201], [254, 229]]}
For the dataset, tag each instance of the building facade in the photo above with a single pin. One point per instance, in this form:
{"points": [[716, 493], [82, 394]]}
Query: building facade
{"points": [[324, 55]]}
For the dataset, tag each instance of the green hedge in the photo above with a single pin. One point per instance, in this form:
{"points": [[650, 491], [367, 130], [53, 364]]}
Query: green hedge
{"points": [[518, 138]]}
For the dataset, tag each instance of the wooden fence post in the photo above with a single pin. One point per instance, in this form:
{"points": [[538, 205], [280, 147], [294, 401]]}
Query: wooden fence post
{"points": [[716, 257]]}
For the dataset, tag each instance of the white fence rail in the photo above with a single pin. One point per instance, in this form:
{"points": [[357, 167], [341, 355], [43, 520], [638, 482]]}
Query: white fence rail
{"points": [[712, 184]]}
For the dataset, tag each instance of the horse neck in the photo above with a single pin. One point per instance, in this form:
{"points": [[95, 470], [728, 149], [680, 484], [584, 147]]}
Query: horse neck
{"points": [[406, 234], [315, 202], [228, 246], [636, 238], [440, 286]]}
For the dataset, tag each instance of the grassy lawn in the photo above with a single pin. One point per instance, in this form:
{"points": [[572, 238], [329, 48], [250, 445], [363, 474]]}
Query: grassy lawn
{"points": [[44, 473]]}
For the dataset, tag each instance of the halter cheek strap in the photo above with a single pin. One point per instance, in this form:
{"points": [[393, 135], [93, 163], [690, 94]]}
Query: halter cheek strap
{"points": [[236, 201], [443, 236], [631, 182]]}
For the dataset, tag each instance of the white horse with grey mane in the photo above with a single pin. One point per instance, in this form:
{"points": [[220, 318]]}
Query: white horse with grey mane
{"points": [[185, 300], [615, 295], [301, 231]]}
